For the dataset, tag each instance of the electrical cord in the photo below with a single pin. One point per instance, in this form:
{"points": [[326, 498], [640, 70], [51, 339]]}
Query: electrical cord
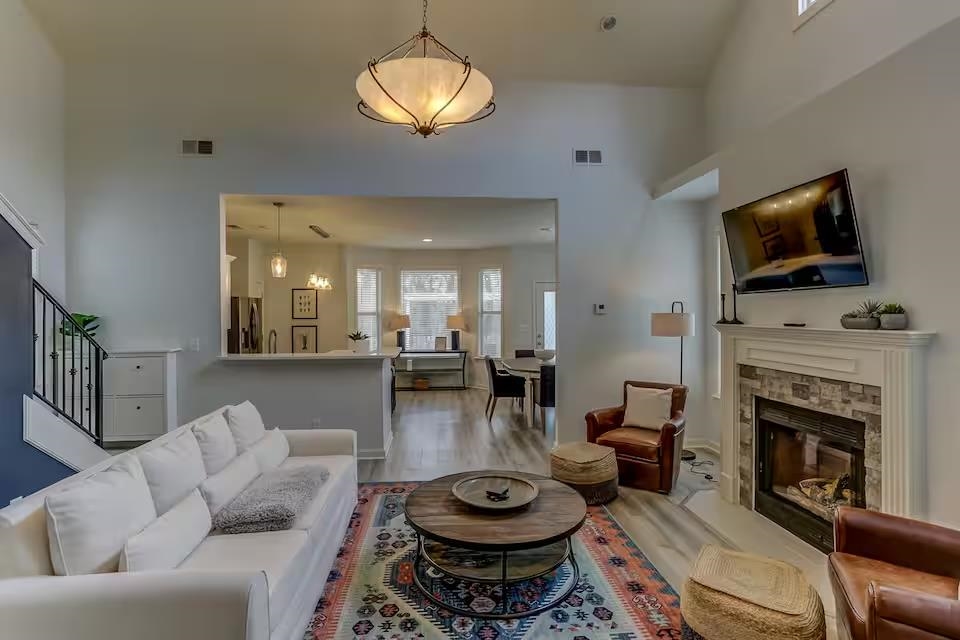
{"points": [[695, 469]]}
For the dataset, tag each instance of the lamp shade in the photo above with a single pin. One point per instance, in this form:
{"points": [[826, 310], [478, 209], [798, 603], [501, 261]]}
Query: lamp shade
{"points": [[456, 322], [671, 325], [400, 322]]}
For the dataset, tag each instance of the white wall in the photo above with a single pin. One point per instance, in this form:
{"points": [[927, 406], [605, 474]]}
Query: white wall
{"points": [[766, 69], [32, 136], [284, 130], [895, 128]]}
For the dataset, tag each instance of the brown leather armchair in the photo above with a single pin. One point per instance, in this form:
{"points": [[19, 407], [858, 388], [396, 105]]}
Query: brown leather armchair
{"points": [[894, 578], [646, 458]]}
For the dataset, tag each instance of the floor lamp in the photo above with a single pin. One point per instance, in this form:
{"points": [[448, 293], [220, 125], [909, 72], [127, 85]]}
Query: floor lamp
{"points": [[676, 324]]}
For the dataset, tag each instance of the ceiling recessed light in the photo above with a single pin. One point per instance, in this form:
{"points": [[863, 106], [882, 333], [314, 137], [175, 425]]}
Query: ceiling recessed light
{"points": [[428, 239]]}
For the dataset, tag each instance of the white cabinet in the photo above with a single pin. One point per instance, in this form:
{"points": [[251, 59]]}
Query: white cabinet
{"points": [[139, 395]]}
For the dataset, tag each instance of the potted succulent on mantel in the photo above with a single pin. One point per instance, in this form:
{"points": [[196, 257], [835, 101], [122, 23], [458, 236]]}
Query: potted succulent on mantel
{"points": [[360, 342], [893, 317], [866, 316]]}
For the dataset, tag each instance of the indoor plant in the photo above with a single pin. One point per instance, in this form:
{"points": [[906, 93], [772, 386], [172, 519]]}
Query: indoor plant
{"points": [[866, 316], [360, 342], [893, 316]]}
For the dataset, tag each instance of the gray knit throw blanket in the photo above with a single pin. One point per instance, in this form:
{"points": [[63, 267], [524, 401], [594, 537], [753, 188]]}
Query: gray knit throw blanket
{"points": [[273, 501]]}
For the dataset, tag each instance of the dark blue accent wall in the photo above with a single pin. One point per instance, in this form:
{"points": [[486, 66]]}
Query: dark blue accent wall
{"points": [[23, 469]]}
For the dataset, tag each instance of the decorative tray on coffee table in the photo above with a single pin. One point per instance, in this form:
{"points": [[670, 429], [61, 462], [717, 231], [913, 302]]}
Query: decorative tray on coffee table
{"points": [[495, 491]]}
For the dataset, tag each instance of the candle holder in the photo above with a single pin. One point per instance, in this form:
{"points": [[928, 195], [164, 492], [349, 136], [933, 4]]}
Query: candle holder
{"points": [[735, 320], [723, 310]]}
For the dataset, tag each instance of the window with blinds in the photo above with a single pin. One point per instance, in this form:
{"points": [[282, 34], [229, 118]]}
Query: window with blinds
{"points": [[428, 297], [491, 312], [368, 305]]}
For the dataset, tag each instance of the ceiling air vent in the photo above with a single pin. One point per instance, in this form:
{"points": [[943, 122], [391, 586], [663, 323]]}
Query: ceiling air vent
{"points": [[587, 157], [319, 231], [196, 147]]}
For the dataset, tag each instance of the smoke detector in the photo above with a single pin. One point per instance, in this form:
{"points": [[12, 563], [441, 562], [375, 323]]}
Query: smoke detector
{"points": [[608, 23]]}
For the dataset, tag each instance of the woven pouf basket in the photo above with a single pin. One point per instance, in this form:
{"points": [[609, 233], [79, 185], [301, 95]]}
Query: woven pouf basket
{"points": [[589, 468], [739, 596]]}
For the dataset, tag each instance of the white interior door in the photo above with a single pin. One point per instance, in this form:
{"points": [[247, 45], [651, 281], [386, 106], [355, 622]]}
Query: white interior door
{"points": [[545, 321]]}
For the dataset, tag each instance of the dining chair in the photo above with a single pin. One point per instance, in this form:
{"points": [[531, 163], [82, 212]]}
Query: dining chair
{"points": [[545, 392], [523, 353], [502, 385]]}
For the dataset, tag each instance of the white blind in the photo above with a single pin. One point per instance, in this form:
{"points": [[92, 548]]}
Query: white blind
{"points": [[368, 304], [428, 297], [491, 310], [803, 5]]}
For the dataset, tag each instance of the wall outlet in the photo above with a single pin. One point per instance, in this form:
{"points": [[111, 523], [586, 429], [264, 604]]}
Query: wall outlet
{"points": [[600, 309], [195, 345]]}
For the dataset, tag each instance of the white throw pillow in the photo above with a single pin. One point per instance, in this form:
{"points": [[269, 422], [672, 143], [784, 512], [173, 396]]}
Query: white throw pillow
{"points": [[217, 445], [647, 408], [272, 450], [89, 521], [173, 470], [246, 424], [220, 489], [168, 540]]}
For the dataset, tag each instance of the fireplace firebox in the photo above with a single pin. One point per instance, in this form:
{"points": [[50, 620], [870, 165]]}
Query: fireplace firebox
{"points": [[808, 464]]}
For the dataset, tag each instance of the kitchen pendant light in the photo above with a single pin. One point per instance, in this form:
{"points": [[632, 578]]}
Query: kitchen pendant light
{"points": [[319, 282], [424, 85], [278, 264]]}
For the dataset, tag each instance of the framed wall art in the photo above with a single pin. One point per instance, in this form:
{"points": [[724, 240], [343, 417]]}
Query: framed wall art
{"points": [[304, 304], [303, 339]]}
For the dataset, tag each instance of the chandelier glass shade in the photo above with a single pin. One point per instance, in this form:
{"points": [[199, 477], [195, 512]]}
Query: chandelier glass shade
{"points": [[424, 86], [278, 264], [319, 282]]}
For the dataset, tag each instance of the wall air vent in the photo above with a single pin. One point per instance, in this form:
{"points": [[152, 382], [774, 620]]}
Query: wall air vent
{"points": [[587, 157], [319, 231], [196, 147]]}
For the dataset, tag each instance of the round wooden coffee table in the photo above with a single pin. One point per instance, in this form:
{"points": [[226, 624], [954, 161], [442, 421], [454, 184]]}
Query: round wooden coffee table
{"points": [[500, 547]]}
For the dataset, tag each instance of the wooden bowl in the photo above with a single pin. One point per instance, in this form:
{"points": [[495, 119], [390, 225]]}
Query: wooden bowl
{"points": [[474, 491]]}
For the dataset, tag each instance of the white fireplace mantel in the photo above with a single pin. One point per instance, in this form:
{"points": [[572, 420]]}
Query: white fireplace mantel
{"points": [[895, 361]]}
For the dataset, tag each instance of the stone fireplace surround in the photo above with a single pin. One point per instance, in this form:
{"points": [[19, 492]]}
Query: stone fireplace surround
{"points": [[874, 376]]}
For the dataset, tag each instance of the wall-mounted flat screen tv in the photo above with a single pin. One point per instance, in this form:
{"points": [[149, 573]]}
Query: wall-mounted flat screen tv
{"points": [[802, 238]]}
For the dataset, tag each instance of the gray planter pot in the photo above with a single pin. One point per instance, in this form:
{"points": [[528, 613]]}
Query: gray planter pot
{"points": [[894, 321], [860, 323]]}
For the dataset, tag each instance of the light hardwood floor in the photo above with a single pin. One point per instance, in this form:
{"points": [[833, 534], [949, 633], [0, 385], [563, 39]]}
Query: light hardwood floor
{"points": [[442, 432]]}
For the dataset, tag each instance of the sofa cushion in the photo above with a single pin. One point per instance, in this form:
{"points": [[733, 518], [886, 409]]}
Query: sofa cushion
{"points": [[173, 470], [89, 521], [217, 445], [638, 443], [272, 449], [169, 539], [284, 556], [218, 490], [246, 425], [340, 490], [647, 408]]}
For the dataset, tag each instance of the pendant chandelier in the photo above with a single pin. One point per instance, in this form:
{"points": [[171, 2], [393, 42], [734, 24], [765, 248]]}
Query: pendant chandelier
{"points": [[278, 264], [424, 85], [319, 282]]}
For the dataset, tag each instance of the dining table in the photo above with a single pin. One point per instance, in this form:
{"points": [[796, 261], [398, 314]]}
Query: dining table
{"points": [[528, 368]]}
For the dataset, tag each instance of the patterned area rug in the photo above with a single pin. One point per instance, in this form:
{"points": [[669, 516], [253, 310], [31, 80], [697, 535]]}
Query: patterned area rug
{"points": [[370, 593]]}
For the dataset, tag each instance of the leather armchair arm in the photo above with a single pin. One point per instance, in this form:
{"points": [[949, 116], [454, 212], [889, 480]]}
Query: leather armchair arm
{"points": [[906, 543], [900, 614], [599, 421]]}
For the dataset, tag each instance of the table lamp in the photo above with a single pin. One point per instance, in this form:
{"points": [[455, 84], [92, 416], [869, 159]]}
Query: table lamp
{"points": [[676, 324], [400, 323], [455, 324]]}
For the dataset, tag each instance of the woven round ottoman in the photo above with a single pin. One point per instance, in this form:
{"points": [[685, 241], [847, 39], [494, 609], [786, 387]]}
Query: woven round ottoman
{"points": [[738, 596], [590, 469]]}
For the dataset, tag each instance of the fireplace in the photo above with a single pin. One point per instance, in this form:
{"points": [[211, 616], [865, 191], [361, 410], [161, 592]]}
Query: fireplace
{"points": [[808, 463]]}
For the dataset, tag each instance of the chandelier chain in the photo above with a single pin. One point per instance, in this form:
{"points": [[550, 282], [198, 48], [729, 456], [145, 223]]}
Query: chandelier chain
{"points": [[425, 15]]}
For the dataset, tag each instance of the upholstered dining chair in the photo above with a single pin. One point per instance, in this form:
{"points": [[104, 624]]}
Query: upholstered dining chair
{"points": [[502, 385], [646, 458], [523, 353], [545, 392]]}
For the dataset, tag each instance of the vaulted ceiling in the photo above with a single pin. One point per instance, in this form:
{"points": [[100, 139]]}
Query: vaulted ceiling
{"points": [[656, 42]]}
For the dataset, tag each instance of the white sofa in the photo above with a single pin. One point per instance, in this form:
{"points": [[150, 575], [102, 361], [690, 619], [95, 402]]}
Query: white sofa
{"points": [[250, 586]]}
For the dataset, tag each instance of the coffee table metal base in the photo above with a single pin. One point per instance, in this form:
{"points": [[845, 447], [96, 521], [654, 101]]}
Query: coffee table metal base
{"points": [[505, 580]]}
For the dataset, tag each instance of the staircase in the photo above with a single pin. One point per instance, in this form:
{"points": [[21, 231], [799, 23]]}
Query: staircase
{"points": [[67, 383]]}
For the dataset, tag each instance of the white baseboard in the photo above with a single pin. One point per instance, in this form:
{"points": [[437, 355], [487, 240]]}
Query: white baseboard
{"points": [[702, 443], [46, 431]]}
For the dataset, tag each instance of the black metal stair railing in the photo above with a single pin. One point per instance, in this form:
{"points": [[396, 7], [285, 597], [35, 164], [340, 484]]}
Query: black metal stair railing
{"points": [[67, 365]]}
